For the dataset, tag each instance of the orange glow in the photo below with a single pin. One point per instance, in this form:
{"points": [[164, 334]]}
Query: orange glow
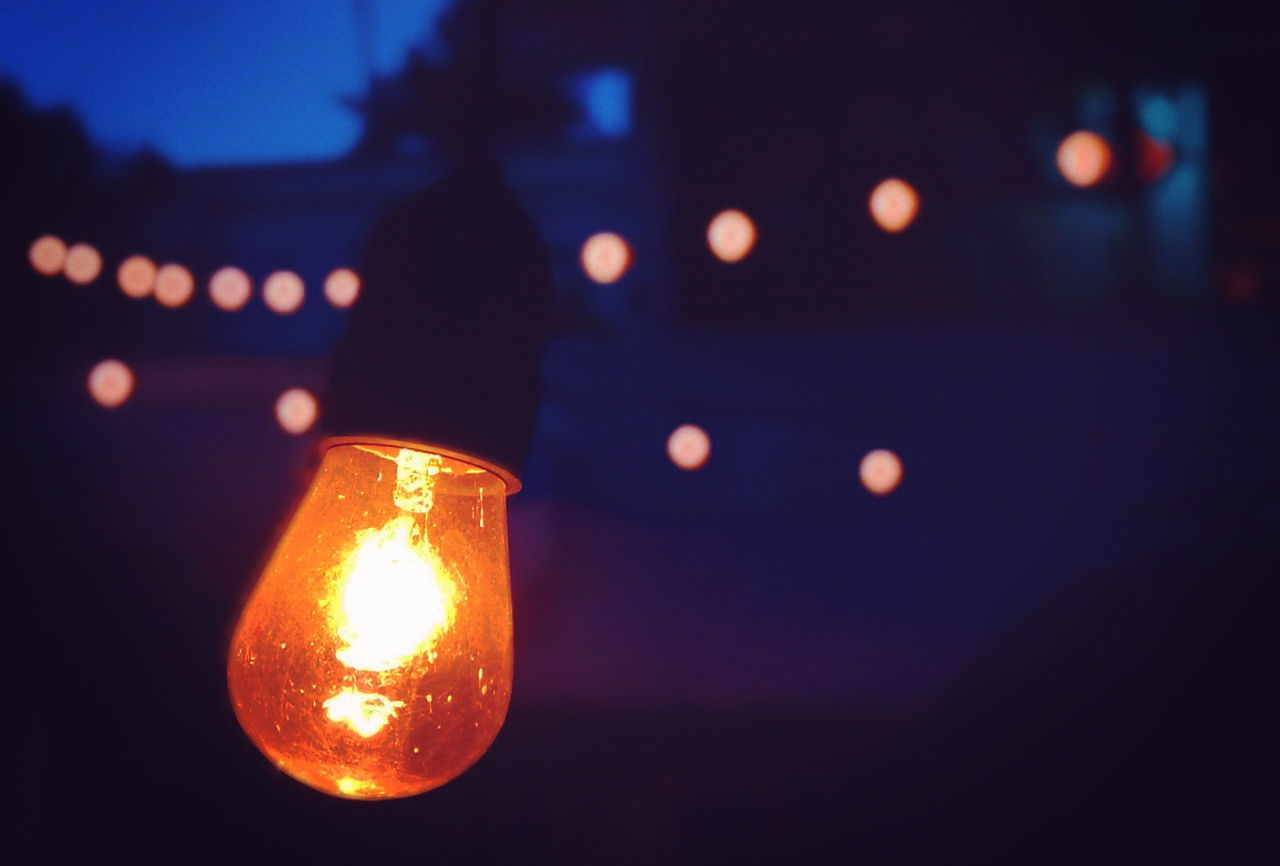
{"points": [[296, 410], [82, 265], [229, 289], [174, 285], [881, 471], [731, 235], [373, 659], [1084, 158], [47, 255], [605, 257], [342, 287], [136, 276], [282, 292], [689, 446], [893, 204], [110, 383]]}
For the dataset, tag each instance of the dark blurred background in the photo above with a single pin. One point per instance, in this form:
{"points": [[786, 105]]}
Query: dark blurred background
{"points": [[1047, 644]]}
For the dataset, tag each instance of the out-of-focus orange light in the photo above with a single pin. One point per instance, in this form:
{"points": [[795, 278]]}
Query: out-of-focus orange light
{"points": [[282, 292], [47, 255], [1084, 158], [342, 287], [893, 204], [110, 383], [174, 285], [229, 289], [689, 446], [373, 658], [881, 471], [136, 276], [296, 410], [605, 257], [731, 235], [82, 265]]}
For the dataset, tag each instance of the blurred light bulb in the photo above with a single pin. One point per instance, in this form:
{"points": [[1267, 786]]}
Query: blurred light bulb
{"points": [[296, 410], [229, 289], [1084, 158], [174, 285], [893, 204], [82, 265], [282, 292], [731, 235], [110, 383], [47, 255], [136, 276], [342, 287], [689, 446], [605, 257], [373, 658], [881, 471]]}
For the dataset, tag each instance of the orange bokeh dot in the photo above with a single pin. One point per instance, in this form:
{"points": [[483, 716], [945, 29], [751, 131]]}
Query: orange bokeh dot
{"points": [[229, 289], [136, 276], [605, 257], [893, 204], [47, 255], [110, 383], [174, 285], [342, 287], [881, 471], [83, 264], [283, 291], [731, 235], [296, 410], [689, 446], [1084, 158]]}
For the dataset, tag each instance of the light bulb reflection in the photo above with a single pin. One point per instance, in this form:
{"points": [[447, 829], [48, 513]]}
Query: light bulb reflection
{"points": [[373, 659]]}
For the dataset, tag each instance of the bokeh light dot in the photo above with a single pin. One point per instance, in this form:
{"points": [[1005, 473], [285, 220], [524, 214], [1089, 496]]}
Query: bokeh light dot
{"points": [[731, 235], [342, 287], [47, 255], [110, 383], [605, 257], [880, 471], [1084, 158], [229, 289], [296, 410], [83, 264], [283, 292], [174, 285], [689, 447], [136, 276], [893, 204]]}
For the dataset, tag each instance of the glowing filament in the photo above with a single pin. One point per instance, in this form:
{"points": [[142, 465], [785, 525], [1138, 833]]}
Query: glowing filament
{"points": [[364, 713]]}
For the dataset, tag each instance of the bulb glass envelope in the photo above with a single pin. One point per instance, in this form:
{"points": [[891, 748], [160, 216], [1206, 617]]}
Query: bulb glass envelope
{"points": [[373, 658]]}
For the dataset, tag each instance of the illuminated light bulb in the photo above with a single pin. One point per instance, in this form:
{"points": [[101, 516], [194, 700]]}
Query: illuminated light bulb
{"points": [[296, 410], [82, 265], [174, 285], [342, 287], [893, 204], [110, 383], [136, 276], [229, 289], [282, 292], [605, 257], [880, 471], [1084, 158], [689, 447], [373, 658], [731, 235], [47, 255]]}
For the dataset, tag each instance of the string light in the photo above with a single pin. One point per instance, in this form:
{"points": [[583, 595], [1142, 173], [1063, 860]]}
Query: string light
{"points": [[689, 447], [283, 292], [136, 276], [893, 204], [881, 471], [1084, 158], [731, 235], [110, 383], [605, 257], [230, 289], [296, 411], [174, 285], [47, 255], [83, 264], [342, 287]]}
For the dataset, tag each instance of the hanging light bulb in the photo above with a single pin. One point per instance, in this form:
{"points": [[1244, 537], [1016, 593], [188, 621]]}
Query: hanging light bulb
{"points": [[373, 659]]}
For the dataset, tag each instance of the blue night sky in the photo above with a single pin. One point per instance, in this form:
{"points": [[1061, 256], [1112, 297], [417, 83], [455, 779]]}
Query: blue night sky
{"points": [[208, 83]]}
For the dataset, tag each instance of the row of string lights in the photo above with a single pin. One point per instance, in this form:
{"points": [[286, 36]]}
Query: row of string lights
{"points": [[1083, 158]]}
